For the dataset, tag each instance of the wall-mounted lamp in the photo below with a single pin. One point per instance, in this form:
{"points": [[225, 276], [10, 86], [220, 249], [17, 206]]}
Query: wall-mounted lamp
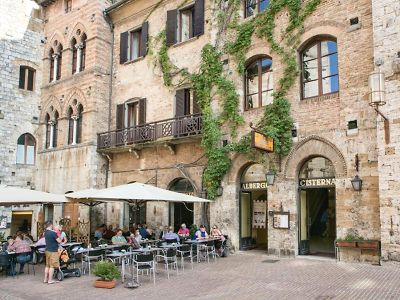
{"points": [[270, 176], [376, 83], [203, 194], [220, 191], [356, 182]]}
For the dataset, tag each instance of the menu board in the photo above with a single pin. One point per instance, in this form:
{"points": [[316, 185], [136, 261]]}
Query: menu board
{"points": [[259, 214], [281, 220]]}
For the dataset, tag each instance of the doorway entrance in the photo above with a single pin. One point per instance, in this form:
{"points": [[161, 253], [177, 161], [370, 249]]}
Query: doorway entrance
{"points": [[253, 232], [317, 208], [21, 221], [181, 212]]}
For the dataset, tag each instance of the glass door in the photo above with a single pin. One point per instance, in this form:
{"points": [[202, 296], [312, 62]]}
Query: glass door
{"points": [[304, 240], [245, 220]]}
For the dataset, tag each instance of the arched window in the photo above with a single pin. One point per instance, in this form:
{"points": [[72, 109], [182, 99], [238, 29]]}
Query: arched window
{"points": [[320, 75], [26, 149], [253, 7], [79, 125], [258, 83], [70, 126], [48, 130], [51, 54], [55, 130], [74, 55], [83, 52], [59, 61]]}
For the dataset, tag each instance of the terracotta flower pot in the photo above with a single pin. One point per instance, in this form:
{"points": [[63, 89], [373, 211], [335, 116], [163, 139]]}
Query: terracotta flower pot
{"points": [[105, 284], [345, 244], [368, 245]]}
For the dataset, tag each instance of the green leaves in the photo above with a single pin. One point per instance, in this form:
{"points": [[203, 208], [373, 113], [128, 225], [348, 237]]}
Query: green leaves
{"points": [[106, 270]]}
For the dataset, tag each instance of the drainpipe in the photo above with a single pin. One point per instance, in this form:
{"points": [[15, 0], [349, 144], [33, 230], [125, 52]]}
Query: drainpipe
{"points": [[110, 89]]}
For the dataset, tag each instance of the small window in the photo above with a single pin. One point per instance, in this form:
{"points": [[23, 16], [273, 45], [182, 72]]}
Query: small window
{"points": [[74, 56], [186, 24], [135, 38], [26, 78], [26, 149], [253, 7], [320, 75], [68, 6], [186, 103], [70, 126], [258, 83], [132, 114]]}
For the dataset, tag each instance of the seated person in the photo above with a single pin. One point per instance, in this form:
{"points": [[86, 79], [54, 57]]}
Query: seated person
{"points": [[171, 235], [98, 234], [216, 233], [201, 233], [183, 231], [23, 250], [134, 242], [5, 245], [41, 248], [26, 237], [118, 239], [126, 233], [109, 233], [164, 230], [143, 232]]}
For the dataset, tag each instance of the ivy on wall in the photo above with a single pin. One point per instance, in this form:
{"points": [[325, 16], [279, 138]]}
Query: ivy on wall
{"points": [[209, 80]]}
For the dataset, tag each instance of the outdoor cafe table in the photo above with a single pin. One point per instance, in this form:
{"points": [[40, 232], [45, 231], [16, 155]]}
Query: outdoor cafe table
{"points": [[200, 242]]}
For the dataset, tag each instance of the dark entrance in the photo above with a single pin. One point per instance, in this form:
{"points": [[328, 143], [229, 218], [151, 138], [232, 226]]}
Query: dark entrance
{"points": [[253, 196], [137, 213], [317, 213], [181, 212]]}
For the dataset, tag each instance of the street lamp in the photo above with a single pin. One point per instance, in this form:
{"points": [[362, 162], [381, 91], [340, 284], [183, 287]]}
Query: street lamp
{"points": [[376, 82], [203, 194], [270, 176], [220, 191], [356, 182]]}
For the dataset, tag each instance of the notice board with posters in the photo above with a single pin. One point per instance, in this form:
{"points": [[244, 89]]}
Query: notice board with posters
{"points": [[281, 220], [259, 214]]}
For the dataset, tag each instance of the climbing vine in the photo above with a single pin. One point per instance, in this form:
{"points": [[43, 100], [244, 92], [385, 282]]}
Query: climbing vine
{"points": [[210, 80]]}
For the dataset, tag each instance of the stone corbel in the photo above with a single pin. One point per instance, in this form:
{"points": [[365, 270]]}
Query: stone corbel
{"points": [[170, 147], [136, 152]]}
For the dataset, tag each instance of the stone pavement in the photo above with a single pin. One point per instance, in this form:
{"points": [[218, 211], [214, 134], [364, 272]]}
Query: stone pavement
{"points": [[245, 275]]}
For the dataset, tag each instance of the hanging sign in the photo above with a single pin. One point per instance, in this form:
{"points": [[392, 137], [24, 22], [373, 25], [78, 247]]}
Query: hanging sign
{"points": [[259, 214], [261, 141], [317, 182]]}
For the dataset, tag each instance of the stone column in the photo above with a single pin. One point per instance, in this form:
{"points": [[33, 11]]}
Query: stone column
{"points": [[75, 131], [55, 57], [51, 123], [79, 57]]}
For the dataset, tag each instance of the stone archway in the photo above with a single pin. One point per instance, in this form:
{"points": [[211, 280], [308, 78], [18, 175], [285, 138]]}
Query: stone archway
{"points": [[313, 146]]}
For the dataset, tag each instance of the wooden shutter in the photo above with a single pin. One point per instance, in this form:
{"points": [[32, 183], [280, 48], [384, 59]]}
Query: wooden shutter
{"points": [[198, 17], [22, 77], [142, 111], [172, 19], [31, 77], [180, 103], [196, 106], [144, 39], [123, 51], [120, 116]]}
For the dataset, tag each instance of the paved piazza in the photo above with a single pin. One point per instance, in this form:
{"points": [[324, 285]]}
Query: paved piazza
{"points": [[246, 275]]}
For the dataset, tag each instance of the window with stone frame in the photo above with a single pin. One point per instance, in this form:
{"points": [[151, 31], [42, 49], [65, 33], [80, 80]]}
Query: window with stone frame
{"points": [[252, 7], [74, 55], [67, 6], [134, 43], [51, 137], [52, 66], [75, 124], [26, 148], [70, 126], [320, 68], [185, 23], [26, 78], [258, 83], [83, 52]]}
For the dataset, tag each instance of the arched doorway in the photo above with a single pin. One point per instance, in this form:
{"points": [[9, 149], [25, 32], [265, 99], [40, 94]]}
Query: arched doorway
{"points": [[317, 207], [253, 208], [181, 212]]}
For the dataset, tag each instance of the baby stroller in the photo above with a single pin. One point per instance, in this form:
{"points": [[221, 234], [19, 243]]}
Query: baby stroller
{"points": [[222, 247], [67, 265]]}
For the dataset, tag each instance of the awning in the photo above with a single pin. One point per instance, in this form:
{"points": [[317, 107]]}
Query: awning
{"points": [[10, 195], [132, 193]]}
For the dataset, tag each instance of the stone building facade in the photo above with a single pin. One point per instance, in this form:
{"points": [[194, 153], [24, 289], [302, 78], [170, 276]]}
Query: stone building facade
{"points": [[21, 47], [386, 28], [335, 131], [74, 102]]}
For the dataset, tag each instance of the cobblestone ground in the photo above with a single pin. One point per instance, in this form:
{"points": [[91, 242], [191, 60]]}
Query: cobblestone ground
{"points": [[249, 275]]}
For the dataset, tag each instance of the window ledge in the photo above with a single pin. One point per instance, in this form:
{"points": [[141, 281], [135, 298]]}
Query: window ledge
{"points": [[254, 108], [64, 147], [134, 60], [22, 165], [186, 42], [320, 98]]}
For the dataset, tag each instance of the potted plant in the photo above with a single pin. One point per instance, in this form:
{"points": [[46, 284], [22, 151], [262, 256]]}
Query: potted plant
{"points": [[348, 241], [108, 274]]}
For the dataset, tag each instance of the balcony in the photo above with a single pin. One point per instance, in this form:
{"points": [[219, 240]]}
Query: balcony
{"points": [[188, 126]]}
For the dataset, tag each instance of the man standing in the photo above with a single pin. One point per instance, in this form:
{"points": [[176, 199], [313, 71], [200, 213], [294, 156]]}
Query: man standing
{"points": [[52, 260]]}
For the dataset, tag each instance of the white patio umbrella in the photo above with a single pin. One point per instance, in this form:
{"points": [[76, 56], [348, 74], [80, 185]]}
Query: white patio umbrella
{"points": [[10, 195], [133, 192]]}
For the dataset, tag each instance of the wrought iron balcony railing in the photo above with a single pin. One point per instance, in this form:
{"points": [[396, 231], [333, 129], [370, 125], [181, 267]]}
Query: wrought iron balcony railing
{"points": [[179, 127]]}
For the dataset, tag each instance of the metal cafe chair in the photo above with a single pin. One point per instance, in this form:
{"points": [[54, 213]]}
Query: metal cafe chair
{"points": [[185, 251], [169, 258], [207, 249], [5, 263], [143, 262], [171, 241], [89, 256]]}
